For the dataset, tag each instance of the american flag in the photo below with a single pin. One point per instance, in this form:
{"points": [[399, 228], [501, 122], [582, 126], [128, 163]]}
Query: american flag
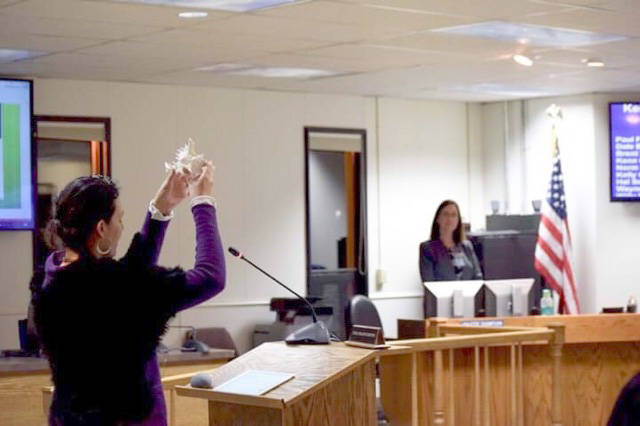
{"points": [[553, 250]]}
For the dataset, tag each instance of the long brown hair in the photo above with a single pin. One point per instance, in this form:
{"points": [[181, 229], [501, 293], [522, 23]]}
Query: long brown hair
{"points": [[458, 233]]}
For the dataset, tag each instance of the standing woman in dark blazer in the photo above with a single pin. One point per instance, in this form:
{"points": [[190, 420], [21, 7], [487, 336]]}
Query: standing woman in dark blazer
{"points": [[448, 255], [100, 319]]}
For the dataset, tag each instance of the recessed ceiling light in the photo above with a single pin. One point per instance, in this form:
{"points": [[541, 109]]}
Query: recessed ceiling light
{"points": [[284, 72], [193, 15], [523, 60], [264, 71], [228, 5], [536, 35], [502, 90], [223, 67], [12, 55], [595, 63]]}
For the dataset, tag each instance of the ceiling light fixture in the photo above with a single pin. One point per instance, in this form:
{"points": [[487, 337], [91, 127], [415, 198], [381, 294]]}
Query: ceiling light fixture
{"points": [[595, 63], [535, 35], [223, 67], [523, 60], [12, 55], [227, 5], [193, 15], [266, 71], [284, 72]]}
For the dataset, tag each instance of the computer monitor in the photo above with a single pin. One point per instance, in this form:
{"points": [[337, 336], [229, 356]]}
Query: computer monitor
{"points": [[508, 297], [451, 299]]}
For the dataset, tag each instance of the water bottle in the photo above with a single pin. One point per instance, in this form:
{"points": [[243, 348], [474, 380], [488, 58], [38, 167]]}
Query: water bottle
{"points": [[546, 303]]}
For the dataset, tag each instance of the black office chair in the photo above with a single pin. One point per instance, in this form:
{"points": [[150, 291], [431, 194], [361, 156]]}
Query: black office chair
{"points": [[362, 311]]}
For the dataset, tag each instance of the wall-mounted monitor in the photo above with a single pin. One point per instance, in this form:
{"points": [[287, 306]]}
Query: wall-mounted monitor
{"points": [[17, 171], [624, 146]]}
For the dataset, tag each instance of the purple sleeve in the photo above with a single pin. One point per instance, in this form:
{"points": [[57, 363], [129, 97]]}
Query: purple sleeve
{"points": [[146, 244], [207, 277], [152, 235]]}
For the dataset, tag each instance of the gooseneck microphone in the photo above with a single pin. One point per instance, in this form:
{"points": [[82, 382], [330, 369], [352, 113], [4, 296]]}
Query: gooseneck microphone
{"points": [[239, 255], [314, 333]]}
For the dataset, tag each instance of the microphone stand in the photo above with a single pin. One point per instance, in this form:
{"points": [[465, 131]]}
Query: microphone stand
{"points": [[315, 333]]}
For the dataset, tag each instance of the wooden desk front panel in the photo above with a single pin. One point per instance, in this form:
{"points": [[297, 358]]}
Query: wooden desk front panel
{"points": [[347, 401], [21, 397], [593, 375]]}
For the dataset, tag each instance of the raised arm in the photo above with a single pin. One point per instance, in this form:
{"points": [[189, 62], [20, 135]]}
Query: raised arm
{"points": [[146, 245], [207, 277]]}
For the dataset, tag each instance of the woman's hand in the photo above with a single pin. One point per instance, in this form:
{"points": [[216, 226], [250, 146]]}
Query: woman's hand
{"points": [[203, 184], [173, 190]]}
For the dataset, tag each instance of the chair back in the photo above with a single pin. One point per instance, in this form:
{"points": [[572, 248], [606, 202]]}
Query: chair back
{"points": [[215, 337], [362, 311]]}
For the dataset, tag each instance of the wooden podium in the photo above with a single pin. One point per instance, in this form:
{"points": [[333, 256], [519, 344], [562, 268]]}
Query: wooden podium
{"points": [[333, 385]]}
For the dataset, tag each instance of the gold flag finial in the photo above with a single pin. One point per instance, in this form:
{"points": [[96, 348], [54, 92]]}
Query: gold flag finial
{"points": [[554, 112]]}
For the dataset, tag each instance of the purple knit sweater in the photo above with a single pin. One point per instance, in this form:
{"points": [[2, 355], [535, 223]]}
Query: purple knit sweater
{"points": [[204, 281]]}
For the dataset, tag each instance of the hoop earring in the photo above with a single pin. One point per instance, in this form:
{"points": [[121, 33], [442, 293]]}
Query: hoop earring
{"points": [[101, 251]]}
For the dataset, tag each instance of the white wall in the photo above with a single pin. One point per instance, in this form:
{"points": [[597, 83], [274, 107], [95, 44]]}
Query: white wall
{"points": [[423, 151], [255, 139], [578, 155], [418, 153], [618, 226], [603, 232]]}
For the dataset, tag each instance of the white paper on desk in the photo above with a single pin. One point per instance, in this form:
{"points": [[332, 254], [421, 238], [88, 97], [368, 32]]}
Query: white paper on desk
{"points": [[254, 382]]}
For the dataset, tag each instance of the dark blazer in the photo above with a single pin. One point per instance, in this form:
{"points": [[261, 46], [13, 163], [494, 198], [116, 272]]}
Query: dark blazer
{"points": [[436, 265], [626, 412]]}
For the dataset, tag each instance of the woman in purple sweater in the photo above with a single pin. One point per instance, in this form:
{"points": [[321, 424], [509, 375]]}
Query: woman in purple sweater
{"points": [[100, 319]]}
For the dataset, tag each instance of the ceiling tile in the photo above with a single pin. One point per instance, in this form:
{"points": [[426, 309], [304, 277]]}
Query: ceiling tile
{"points": [[496, 9], [382, 47], [301, 29], [365, 16], [314, 62], [72, 27], [619, 6], [471, 47], [578, 57], [198, 78], [590, 20], [135, 51], [4, 3], [204, 39], [43, 43], [379, 56], [105, 11]]}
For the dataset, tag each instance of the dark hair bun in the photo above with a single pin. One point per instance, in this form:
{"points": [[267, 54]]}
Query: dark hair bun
{"points": [[80, 206]]}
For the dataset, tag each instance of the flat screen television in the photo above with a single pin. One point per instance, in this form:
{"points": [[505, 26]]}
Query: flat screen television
{"points": [[17, 155], [624, 148]]}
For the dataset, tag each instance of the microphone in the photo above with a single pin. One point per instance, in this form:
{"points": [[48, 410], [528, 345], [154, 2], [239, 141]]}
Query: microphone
{"points": [[314, 333]]}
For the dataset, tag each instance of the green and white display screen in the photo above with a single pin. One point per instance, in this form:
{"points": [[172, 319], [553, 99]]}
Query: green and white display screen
{"points": [[16, 163]]}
